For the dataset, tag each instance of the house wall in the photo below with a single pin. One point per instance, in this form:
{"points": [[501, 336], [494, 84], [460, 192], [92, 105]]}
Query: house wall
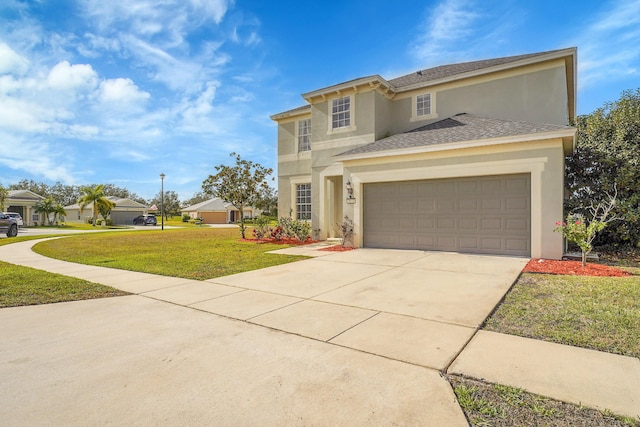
{"points": [[535, 94], [544, 160]]}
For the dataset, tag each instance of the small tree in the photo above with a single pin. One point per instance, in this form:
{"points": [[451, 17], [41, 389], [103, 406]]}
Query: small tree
{"points": [[577, 230], [240, 185], [58, 211], [94, 196], [46, 207]]}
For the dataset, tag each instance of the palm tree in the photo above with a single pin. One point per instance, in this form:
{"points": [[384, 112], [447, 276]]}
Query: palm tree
{"points": [[94, 196], [58, 211], [46, 207]]}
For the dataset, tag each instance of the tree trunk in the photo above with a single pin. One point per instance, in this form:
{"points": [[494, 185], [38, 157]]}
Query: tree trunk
{"points": [[584, 258]]}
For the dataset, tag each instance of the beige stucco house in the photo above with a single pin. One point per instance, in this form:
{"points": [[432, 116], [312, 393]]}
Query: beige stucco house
{"points": [[24, 202], [217, 211], [122, 214], [465, 157]]}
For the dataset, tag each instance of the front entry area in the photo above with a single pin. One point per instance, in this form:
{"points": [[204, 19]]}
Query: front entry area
{"points": [[484, 215]]}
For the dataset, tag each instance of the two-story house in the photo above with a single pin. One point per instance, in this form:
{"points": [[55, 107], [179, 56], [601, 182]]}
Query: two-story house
{"points": [[466, 157]]}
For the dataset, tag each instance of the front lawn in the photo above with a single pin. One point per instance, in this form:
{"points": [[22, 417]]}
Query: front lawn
{"points": [[601, 313], [27, 286], [194, 253]]}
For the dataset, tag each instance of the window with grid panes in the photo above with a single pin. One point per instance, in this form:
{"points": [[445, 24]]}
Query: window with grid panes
{"points": [[341, 112], [423, 104], [304, 135], [303, 201]]}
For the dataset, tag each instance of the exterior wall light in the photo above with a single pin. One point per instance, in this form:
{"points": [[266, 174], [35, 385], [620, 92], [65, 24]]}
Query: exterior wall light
{"points": [[350, 198]]}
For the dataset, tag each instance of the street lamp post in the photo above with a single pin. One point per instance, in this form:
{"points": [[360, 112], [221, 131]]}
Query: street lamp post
{"points": [[162, 175]]}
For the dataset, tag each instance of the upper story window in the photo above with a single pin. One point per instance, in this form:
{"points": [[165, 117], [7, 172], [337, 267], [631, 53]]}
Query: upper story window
{"points": [[304, 135], [341, 112], [423, 105]]}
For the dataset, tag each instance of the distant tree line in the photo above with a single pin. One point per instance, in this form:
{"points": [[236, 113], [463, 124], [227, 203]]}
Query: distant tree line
{"points": [[607, 162], [66, 195]]}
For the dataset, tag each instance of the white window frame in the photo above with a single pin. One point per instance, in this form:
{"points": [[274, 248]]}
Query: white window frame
{"points": [[414, 107], [304, 215], [352, 114], [300, 135]]}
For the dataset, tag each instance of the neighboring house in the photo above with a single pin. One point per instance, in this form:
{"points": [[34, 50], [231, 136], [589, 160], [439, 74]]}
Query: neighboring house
{"points": [[217, 211], [122, 214], [24, 203], [466, 157]]}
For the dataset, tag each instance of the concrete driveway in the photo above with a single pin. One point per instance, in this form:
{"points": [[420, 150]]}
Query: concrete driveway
{"points": [[355, 338]]}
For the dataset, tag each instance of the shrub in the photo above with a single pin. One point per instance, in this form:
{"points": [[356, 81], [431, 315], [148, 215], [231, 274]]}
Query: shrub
{"points": [[185, 217], [277, 233], [345, 230], [261, 227], [295, 229]]}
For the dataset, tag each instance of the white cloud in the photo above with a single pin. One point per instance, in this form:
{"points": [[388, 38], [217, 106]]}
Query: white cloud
{"points": [[34, 157], [608, 46], [463, 30], [12, 62], [450, 23], [64, 76], [121, 90]]}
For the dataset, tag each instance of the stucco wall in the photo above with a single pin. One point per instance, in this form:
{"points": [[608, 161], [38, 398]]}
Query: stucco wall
{"points": [[539, 96]]}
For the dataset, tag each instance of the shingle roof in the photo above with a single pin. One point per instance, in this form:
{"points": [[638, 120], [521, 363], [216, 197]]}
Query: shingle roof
{"points": [[459, 128], [444, 71], [212, 205]]}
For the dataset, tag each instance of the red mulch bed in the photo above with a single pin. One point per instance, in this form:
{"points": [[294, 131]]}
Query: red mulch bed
{"points": [[337, 248], [573, 268], [281, 241]]}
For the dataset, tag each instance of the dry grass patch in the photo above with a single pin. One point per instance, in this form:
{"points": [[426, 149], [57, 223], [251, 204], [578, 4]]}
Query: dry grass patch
{"points": [[498, 405]]}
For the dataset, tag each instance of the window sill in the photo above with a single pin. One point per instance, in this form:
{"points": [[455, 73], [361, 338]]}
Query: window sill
{"points": [[342, 130], [425, 117]]}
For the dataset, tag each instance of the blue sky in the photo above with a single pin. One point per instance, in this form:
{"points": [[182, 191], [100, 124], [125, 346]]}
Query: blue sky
{"points": [[118, 91]]}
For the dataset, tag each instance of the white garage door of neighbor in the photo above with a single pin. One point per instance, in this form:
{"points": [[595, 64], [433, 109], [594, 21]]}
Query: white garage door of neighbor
{"points": [[485, 215]]}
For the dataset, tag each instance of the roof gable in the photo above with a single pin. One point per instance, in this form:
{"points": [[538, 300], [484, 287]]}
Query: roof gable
{"points": [[24, 195]]}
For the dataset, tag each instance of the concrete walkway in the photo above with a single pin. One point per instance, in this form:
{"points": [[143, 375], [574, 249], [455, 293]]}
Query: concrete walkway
{"points": [[411, 312]]}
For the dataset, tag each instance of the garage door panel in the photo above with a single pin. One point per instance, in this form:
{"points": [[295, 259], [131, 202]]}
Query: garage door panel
{"points": [[517, 244], [490, 244], [468, 224], [516, 224], [472, 214], [446, 224], [471, 205]]}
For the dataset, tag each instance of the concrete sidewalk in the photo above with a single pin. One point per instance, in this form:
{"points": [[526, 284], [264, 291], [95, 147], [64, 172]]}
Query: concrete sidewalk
{"points": [[434, 334]]}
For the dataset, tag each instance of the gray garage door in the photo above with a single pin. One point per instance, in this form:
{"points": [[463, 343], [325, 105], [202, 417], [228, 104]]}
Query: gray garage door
{"points": [[487, 215]]}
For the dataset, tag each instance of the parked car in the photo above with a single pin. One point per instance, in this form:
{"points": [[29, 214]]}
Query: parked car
{"points": [[145, 220], [8, 225], [17, 217]]}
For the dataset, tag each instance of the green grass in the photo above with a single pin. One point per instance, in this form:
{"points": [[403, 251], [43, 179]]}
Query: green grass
{"points": [[601, 313], [194, 253], [27, 286]]}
